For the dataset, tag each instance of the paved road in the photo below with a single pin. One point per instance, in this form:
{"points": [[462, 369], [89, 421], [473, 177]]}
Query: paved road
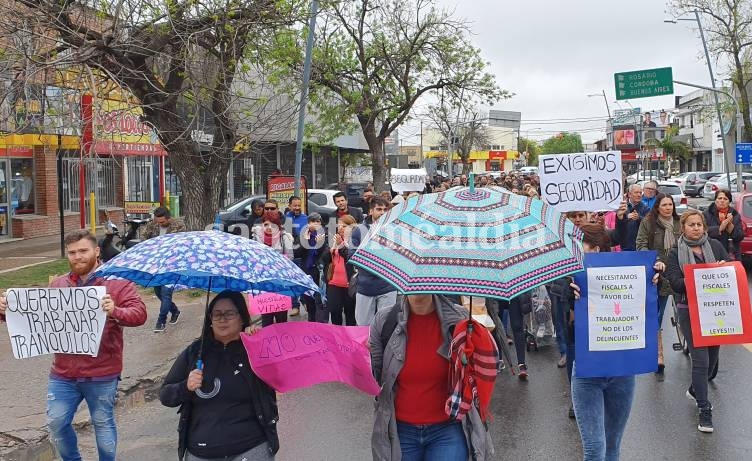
{"points": [[333, 422]]}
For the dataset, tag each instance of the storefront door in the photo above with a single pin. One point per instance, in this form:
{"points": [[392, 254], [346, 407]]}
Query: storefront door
{"points": [[5, 194]]}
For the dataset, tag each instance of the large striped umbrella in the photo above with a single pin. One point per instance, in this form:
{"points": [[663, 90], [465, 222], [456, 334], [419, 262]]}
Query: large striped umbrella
{"points": [[479, 242]]}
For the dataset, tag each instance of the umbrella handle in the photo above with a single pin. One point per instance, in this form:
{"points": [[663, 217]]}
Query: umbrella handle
{"points": [[200, 364]]}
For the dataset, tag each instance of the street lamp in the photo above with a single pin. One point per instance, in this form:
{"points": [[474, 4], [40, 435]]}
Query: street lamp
{"points": [[712, 84], [608, 110]]}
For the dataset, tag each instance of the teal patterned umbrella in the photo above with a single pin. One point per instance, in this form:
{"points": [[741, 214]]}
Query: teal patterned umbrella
{"points": [[478, 242]]}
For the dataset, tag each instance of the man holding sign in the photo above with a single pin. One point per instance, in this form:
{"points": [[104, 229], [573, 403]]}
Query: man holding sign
{"points": [[85, 371]]}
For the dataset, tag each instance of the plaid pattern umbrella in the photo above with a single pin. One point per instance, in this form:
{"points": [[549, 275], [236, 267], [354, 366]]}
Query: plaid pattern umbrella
{"points": [[479, 242]]}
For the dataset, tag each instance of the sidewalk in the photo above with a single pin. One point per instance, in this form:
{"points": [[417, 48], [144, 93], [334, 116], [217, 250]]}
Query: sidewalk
{"points": [[147, 358], [15, 254]]}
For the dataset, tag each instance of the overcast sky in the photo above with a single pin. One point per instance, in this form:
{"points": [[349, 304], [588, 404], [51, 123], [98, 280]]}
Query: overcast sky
{"points": [[553, 53]]}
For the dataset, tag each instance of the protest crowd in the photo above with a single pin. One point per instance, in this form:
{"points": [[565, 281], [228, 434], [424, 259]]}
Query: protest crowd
{"points": [[430, 405]]}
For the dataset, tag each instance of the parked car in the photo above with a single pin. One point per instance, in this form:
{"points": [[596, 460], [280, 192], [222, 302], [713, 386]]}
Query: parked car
{"points": [[238, 212], [721, 182], [743, 204], [675, 191], [353, 191], [529, 170], [646, 175], [693, 182], [319, 200]]}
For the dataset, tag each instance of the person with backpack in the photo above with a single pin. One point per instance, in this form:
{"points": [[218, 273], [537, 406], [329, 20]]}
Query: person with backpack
{"points": [[226, 411], [410, 358], [273, 235], [660, 231]]}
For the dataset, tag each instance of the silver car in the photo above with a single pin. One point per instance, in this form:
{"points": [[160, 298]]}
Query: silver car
{"points": [[711, 187], [676, 193]]}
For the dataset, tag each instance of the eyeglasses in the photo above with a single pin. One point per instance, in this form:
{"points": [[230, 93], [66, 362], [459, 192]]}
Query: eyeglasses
{"points": [[270, 208], [227, 315], [649, 188]]}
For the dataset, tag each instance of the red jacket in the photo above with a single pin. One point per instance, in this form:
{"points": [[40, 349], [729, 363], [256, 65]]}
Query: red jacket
{"points": [[130, 311]]}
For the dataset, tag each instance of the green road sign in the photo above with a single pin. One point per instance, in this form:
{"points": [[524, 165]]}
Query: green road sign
{"points": [[644, 83]]}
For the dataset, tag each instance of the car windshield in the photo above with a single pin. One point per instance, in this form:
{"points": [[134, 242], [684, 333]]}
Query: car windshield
{"points": [[242, 203]]}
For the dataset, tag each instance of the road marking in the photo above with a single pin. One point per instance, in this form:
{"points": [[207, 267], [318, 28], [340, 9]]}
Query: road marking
{"points": [[748, 346]]}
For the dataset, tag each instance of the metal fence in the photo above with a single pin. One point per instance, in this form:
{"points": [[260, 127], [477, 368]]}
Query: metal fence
{"points": [[101, 178]]}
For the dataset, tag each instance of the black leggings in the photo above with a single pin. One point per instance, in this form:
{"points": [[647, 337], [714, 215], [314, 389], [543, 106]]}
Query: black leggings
{"points": [[517, 326], [338, 300], [704, 360], [277, 317]]}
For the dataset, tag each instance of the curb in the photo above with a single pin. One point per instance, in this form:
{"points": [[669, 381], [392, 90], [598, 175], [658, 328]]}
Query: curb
{"points": [[28, 265]]}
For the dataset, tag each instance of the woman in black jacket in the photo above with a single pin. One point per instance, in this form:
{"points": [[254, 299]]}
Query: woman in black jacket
{"points": [[226, 411], [694, 247], [724, 223]]}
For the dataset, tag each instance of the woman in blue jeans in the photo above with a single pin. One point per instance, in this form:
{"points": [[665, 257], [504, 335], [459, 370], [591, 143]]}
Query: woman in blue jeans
{"points": [[601, 405]]}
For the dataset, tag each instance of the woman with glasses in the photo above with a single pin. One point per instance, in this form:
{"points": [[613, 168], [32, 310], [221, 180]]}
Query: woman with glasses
{"points": [[226, 411], [724, 223], [659, 231]]}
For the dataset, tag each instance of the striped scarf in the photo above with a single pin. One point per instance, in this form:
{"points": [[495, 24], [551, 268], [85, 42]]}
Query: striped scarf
{"points": [[472, 373]]}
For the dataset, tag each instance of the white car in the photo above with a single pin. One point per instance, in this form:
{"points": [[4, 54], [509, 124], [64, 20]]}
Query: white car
{"points": [[711, 187], [645, 175], [676, 193]]}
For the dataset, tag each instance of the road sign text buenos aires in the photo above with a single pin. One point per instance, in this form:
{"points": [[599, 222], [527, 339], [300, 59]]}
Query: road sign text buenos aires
{"points": [[644, 83]]}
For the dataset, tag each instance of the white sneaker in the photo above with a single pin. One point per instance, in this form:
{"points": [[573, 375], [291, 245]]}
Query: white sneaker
{"points": [[541, 331]]}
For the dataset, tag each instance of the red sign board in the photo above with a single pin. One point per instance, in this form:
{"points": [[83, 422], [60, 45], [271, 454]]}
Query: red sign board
{"points": [[281, 188], [497, 155]]}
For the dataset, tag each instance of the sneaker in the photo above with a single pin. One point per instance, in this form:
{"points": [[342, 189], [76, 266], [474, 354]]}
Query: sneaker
{"points": [[705, 420], [562, 361], [174, 318], [691, 396], [294, 312], [159, 328], [541, 331], [510, 340], [501, 367], [523, 371]]}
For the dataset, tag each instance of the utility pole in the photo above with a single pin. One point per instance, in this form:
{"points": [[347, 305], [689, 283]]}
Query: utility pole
{"points": [[304, 96]]}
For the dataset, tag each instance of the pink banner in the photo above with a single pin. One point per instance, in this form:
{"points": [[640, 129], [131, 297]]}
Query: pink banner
{"points": [[294, 355], [268, 303]]}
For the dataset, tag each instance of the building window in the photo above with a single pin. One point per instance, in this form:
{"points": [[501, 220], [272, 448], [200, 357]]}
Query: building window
{"points": [[140, 178], [101, 178], [22, 185]]}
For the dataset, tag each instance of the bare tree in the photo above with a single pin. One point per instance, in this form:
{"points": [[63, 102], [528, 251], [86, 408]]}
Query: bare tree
{"points": [[375, 58], [462, 124], [180, 59], [728, 30]]}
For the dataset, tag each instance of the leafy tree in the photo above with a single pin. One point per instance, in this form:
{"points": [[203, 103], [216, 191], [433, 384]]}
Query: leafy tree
{"points": [[563, 143], [374, 59], [531, 147], [728, 32], [671, 147], [180, 59]]}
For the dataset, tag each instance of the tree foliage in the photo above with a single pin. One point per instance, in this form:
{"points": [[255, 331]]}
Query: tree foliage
{"points": [[374, 59], [563, 143], [182, 60], [728, 31], [531, 147]]}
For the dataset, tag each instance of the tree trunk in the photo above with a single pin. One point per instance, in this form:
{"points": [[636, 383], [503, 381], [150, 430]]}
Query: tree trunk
{"points": [[376, 146]]}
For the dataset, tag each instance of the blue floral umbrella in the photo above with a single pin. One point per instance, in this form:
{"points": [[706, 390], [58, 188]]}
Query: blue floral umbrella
{"points": [[209, 260], [466, 241]]}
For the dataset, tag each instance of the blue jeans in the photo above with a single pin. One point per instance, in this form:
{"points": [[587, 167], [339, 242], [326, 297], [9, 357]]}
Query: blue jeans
{"points": [[602, 407], [63, 399], [167, 306], [432, 442], [662, 301]]}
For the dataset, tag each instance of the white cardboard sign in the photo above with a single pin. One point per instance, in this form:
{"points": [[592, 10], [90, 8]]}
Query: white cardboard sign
{"points": [[411, 180], [55, 320], [590, 181], [616, 308]]}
